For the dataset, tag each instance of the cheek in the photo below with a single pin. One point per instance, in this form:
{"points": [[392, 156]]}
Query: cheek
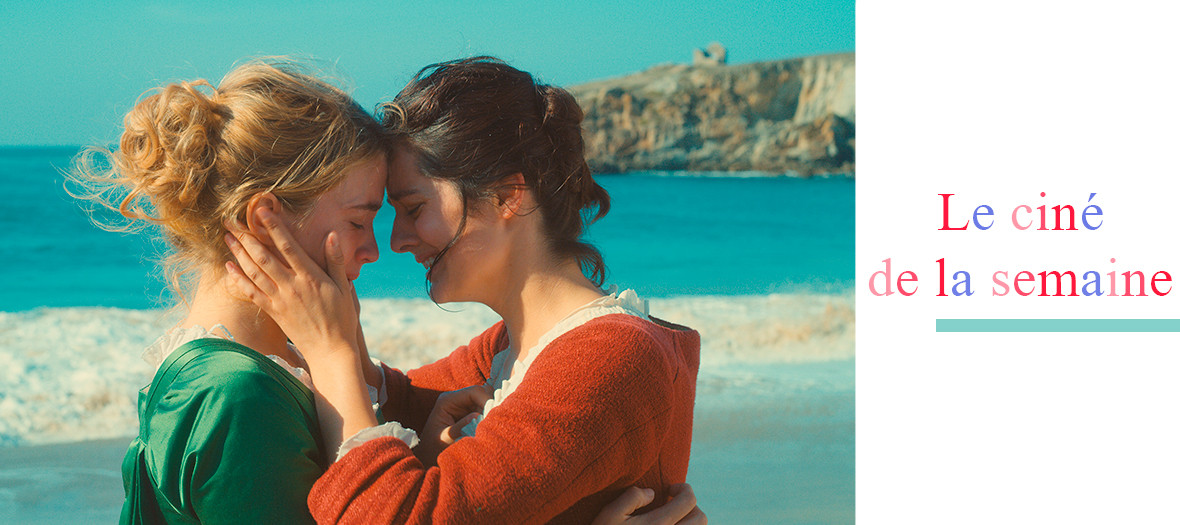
{"points": [[480, 251], [312, 241], [438, 235], [433, 230], [358, 241]]}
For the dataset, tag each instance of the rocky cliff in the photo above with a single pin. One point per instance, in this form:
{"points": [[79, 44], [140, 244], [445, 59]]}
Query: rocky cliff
{"points": [[787, 116]]}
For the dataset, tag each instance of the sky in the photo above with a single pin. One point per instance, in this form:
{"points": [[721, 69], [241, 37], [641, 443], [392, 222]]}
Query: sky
{"points": [[71, 70]]}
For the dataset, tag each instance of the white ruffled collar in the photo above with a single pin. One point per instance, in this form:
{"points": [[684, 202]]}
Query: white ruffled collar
{"points": [[627, 300], [158, 352]]}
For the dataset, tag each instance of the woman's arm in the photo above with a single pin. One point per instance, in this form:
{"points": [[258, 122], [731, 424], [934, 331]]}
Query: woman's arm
{"points": [[576, 429], [567, 442], [374, 375], [412, 395]]}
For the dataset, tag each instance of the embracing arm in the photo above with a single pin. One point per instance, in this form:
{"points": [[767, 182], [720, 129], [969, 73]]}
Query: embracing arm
{"points": [[585, 425], [412, 394], [516, 469]]}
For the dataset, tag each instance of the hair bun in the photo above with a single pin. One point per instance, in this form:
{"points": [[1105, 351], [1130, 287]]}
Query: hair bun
{"points": [[170, 140], [561, 113], [191, 157], [561, 121]]}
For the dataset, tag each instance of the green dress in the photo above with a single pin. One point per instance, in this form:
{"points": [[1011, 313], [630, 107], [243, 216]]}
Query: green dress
{"points": [[225, 436]]}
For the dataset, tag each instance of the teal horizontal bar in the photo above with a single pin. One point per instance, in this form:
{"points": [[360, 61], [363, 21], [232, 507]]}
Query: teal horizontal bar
{"points": [[1057, 325]]}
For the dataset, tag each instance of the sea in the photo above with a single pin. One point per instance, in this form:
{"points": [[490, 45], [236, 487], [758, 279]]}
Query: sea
{"points": [[761, 264]]}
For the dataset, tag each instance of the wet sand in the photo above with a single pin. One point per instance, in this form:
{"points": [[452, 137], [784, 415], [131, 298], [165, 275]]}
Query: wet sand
{"points": [[67, 483]]}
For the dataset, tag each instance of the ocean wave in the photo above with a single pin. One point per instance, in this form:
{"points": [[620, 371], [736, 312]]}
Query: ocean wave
{"points": [[72, 374]]}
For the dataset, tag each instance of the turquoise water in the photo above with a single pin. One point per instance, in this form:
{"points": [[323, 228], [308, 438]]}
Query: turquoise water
{"points": [[666, 235], [733, 257]]}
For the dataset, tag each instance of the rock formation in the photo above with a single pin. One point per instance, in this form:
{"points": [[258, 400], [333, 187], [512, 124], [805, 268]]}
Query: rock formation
{"points": [[788, 116], [714, 55]]}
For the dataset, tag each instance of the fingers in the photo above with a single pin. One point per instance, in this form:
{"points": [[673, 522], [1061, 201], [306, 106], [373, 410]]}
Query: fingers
{"points": [[634, 499], [248, 264], [246, 287], [677, 509], [461, 402], [284, 241], [682, 491], [478, 395], [696, 517], [334, 256], [452, 433], [621, 508]]}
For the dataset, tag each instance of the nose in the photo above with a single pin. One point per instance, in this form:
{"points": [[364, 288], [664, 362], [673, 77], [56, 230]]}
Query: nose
{"points": [[402, 239], [368, 251]]}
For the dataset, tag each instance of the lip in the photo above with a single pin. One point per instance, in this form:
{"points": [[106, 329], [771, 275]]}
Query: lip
{"points": [[423, 259]]}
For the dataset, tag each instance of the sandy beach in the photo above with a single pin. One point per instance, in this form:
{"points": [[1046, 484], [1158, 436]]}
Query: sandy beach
{"points": [[63, 483]]}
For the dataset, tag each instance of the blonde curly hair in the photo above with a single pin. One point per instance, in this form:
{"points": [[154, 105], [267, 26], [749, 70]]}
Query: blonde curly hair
{"points": [[192, 155]]}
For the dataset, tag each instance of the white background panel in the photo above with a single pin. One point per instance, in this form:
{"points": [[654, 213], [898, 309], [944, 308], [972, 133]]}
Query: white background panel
{"points": [[997, 102]]}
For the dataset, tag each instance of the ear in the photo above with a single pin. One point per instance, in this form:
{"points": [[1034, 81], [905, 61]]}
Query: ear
{"points": [[265, 200], [510, 195]]}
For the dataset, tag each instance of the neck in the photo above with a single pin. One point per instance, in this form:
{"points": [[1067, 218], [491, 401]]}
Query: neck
{"points": [[214, 303], [538, 298]]}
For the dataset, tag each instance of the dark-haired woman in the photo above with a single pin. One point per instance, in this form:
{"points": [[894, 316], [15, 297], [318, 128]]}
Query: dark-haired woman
{"points": [[589, 394]]}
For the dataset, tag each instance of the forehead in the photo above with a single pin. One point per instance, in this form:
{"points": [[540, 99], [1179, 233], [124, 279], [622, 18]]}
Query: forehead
{"points": [[405, 178], [362, 183]]}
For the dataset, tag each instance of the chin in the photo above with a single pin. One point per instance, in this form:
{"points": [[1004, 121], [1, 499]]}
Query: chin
{"points": [[441, 293], [440, 296], [437, 291]]}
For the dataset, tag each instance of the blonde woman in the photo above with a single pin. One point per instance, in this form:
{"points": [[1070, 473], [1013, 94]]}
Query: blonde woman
{"points": [[228, 427]]}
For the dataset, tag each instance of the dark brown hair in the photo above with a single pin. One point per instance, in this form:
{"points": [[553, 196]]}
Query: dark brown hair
{"points": [[478, 120]]}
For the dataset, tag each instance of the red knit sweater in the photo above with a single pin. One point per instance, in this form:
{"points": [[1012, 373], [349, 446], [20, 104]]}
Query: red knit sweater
{"points": [[605, 406]]}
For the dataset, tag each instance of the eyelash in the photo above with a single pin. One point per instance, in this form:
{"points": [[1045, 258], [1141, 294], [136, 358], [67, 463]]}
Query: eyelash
{"points": [[357, 226], [413, 212]]}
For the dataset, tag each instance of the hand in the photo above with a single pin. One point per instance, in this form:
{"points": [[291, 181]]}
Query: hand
{"points": [[681, 509], [317, 311], [453, 411]]}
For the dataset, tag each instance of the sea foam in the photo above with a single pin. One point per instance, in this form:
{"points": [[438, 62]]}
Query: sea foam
{"points": [[72, 374]]}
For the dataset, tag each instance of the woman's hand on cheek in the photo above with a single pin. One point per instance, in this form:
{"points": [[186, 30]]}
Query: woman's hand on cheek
{"points": [[316, 310]]}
